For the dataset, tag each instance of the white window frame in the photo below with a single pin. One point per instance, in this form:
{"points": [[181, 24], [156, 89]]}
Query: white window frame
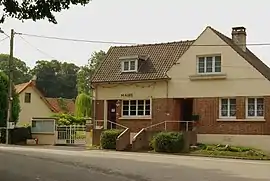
{"points": [[129, 62], [122, 109], [255, 109], [41, 121], [213, 64], [228, 109]]}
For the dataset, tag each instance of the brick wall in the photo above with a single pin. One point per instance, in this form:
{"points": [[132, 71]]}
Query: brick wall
{"points": [[208, 110]]}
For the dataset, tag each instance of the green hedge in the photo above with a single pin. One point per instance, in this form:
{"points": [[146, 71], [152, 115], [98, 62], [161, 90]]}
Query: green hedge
{"points": [[108, 138], [168, 142]]}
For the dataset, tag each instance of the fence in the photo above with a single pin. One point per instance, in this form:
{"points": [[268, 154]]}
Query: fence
{"points": [[73, 134]]}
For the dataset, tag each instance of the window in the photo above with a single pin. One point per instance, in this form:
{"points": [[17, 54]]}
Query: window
{"points": [[136, 108], [129, 66], [227, 108], [27, 97], [255, 107], [43, 126], [209, 64]]}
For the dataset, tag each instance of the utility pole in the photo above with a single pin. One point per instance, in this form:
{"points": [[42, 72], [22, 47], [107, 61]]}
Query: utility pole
{"points": [[10, 86]]}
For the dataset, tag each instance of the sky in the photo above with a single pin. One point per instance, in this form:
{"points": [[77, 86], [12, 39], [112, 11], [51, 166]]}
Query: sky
{"points": [[136, 21]]}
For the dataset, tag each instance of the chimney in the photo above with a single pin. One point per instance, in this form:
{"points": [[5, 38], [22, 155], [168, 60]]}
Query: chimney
{"points": [[239, 37]]}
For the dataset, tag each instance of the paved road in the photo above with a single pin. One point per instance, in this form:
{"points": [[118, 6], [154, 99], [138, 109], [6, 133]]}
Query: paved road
{"points": [[23, 163]]}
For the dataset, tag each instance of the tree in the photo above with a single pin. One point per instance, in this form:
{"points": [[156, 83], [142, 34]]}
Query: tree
{"points": [[4, 101], [36, 9], [83, 105], [56, 79], [21, 72], [86, 72]]}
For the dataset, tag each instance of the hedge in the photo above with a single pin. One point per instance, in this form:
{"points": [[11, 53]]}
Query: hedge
{"points": [[168, 142], [108, 138]]}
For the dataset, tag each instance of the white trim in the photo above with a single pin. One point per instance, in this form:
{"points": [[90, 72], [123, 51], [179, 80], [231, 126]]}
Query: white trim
{"points": [[136, 116], [205, 66], [255, 108], [228, 108], [129, 62]]}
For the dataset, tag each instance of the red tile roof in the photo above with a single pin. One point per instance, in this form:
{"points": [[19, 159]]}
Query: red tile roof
{"points": [[53, 103]]}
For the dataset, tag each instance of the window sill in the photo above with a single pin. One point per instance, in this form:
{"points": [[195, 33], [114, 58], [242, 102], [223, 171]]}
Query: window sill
{"points": [[46, 133], [135, 117], [241, 120], [213, 76]]}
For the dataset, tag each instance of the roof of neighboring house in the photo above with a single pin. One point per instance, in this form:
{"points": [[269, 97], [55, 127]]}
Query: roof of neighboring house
{"points": [[62, 105], [53, 103], [162, 56]]}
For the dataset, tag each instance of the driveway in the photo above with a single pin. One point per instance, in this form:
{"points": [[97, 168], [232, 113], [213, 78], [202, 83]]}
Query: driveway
{"points": [[25, 163]]}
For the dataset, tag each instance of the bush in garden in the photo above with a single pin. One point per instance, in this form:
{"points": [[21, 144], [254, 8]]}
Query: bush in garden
{"points": [[168, 142], [108, 138]]}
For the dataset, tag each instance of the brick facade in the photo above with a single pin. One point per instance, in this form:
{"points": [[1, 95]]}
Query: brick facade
{"points": [[208, 110]]}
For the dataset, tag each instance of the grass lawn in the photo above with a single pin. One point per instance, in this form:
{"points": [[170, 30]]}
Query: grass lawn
{"points": [[229, 152]]}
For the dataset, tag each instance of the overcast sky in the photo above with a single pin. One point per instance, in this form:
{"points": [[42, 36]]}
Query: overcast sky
{"points": [[139, 21]]}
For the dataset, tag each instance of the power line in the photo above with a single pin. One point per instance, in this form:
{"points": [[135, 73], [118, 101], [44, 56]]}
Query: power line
{"points": [[42, 52], [4, 39], [77, 40], [130, 43]]}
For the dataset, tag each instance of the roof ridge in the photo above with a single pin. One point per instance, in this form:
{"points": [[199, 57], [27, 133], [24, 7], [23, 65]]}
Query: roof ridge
{"points": [[154, 44]]}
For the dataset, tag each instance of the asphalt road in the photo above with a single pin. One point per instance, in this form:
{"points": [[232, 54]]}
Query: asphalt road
{"points": [[31, 164]]}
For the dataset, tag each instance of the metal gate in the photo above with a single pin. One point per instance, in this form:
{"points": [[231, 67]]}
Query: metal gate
{"points": [[73, 134]]}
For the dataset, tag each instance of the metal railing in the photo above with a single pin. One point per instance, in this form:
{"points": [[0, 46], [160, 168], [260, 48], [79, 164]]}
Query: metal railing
{"points": [[110, 124], [165, 123]]}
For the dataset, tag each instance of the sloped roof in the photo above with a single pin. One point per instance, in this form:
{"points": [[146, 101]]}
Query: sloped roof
{"points": [[54, 104], [162, 56], [247, 55], [68, 104]]}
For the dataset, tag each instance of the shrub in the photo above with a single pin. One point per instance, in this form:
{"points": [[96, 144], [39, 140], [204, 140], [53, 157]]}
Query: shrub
{"points": [[168, 142], [108, 138]]}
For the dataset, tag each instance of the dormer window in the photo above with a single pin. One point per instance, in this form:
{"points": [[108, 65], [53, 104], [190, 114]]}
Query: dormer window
{"points": [[132, 63]]}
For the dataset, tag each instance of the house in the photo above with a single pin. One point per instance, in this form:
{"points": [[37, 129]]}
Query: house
{"points": [[34, 104], [215, 77]]}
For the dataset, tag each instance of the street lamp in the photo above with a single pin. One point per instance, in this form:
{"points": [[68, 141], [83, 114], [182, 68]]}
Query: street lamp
{"points": [[10, 64]]}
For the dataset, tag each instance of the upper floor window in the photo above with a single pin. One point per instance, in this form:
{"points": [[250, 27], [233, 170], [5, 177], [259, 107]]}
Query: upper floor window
{"points": [[27, 97], [209, 64], [255, 107], [129, 65]]}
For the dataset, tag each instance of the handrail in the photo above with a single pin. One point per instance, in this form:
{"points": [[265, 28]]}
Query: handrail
{"points": [[134, 137], [120, 125], [165, 124]]}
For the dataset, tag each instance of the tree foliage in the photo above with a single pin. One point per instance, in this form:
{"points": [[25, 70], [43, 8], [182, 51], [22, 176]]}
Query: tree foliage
{"points": [[21, 70], [67, 119], [36, 9], [56, 79], [83, 105], [86, 72], [4, 101]]}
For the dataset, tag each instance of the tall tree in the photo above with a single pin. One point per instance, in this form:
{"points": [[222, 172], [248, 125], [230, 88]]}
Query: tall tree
{"points": [[56, 79], [4, 101], [86, 72], [21, 72], [36, 9]]}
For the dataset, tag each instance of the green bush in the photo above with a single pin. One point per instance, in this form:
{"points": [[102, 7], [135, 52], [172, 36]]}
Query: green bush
{"points": [[168, 142], [108, 138]]}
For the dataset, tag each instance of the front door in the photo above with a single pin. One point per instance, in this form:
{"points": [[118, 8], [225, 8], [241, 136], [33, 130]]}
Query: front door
{"points": [[186, 114], [111, 114]]}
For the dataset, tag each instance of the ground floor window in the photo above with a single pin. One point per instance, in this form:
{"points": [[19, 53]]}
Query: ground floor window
{"points": [[227, 108], [136, 108], [43, 126], [255, 107]]}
